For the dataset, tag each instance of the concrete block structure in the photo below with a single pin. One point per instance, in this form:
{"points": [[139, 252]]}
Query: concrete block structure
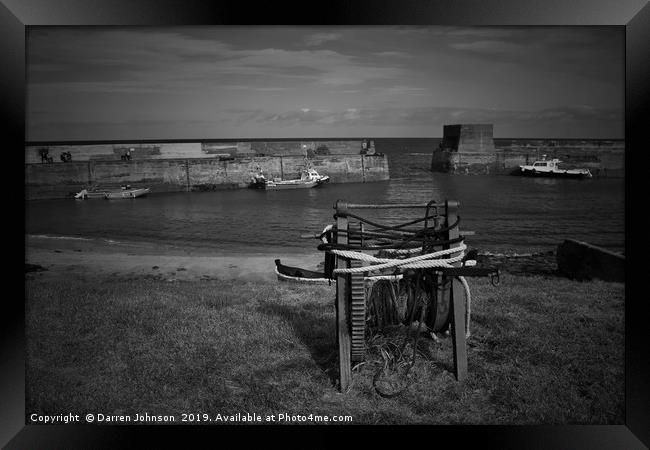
{"points": [[467, 148], [468, 138]]}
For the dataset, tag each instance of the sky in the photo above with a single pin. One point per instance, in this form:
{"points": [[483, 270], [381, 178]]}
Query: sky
{"points": [[227, 82]]}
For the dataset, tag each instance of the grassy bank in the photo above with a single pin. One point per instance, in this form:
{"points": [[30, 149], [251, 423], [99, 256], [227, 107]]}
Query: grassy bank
{"points": [[543, 350]]}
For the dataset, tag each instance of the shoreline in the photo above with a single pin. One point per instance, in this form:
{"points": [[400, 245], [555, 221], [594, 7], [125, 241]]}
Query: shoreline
{"points": [[98, 257], [57, 256]]}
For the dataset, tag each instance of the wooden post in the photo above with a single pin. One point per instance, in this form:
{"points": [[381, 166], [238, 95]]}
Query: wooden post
{"points": [[457, 303], [342, 295]]}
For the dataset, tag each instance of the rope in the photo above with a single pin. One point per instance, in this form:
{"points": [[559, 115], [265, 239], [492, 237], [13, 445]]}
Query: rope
{"points": [[417, 262], [399, 359], [385, 277], [468, 305]]}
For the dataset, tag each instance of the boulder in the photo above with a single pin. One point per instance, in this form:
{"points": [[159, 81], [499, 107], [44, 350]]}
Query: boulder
{"points": [[582, 261]]}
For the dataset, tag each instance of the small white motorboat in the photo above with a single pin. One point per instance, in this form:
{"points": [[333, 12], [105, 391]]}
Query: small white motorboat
{"points": [[550, 168], [125, 192]]}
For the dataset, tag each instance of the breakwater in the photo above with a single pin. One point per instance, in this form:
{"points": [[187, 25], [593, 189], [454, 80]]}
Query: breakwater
{"points": [[171, 167], [471, 149], [170, 175], [209, 149]]}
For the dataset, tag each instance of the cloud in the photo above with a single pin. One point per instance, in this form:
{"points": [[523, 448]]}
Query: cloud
{"points": [[96, 73], [553, 50], [488, 46], [130, 60], [481, 32], [393, 54], [320, 38], [579, 121], [401, 90], [245, 87], [580, 115]]}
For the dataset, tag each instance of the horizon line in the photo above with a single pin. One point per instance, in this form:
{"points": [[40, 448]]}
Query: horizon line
{"points": [[163, 141]]}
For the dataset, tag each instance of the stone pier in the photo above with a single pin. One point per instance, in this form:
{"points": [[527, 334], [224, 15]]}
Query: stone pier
{"points": [[193, 166], [471, 149]]}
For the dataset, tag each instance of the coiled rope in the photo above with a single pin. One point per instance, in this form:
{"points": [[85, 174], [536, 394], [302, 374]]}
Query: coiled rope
{"points": [[416, 262], [425, 261], [398, 359]]}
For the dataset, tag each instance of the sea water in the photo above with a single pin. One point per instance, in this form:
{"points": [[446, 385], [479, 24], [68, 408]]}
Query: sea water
{"points": [[508, 214]]}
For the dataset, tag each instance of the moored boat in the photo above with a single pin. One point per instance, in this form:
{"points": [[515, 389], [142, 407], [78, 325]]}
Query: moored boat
{"points": [[112, 194], [296, 274], [550, 168], [308, 179], [288, 273]]}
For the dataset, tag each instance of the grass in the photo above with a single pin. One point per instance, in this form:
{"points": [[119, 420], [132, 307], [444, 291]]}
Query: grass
{"points": [[543, 350]]}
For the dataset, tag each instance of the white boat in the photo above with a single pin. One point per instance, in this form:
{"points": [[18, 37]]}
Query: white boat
{"points": [[112, 194], [550, 168], [309, 178]]}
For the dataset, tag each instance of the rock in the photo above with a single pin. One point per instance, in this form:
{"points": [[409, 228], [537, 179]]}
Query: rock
{"points": [[583, 261]]}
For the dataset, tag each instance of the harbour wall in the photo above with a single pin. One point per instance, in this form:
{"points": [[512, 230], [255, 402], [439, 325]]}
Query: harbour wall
{"points": [[113, 151], [60, 180], [470, 149], [601, 162]]}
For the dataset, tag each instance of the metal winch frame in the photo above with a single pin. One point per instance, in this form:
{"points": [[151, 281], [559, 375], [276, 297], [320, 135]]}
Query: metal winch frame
{"points": [[351, 292]]}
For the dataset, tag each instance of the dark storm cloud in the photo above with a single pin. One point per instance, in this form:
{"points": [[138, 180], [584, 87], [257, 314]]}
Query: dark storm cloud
{"points": [[594, 52], [161, 56]]}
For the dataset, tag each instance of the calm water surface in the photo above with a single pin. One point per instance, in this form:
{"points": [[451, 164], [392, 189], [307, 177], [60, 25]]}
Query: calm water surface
{"points": [[508, 213]]}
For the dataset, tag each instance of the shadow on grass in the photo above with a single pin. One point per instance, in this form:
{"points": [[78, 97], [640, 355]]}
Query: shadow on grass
{"points": [[314, 329]]}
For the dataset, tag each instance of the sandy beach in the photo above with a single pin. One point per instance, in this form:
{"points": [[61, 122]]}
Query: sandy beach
{"points": [[101, 257]]}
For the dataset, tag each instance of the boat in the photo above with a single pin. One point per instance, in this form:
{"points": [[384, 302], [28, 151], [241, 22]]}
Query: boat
{"points": [[125, 192], [288, 273], [309, 178], [550, 168], [296, 274]]}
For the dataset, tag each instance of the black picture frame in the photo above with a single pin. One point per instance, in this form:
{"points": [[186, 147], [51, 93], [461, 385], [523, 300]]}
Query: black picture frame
{"points": [[634, 15]]}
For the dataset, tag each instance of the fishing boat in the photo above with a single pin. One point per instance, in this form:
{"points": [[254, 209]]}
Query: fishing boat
{"points": [[125, 192], [550, 168], [309, 178]]}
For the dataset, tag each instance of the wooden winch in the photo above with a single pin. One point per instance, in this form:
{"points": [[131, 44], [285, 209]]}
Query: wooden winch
{"points": [[446, 297]]}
